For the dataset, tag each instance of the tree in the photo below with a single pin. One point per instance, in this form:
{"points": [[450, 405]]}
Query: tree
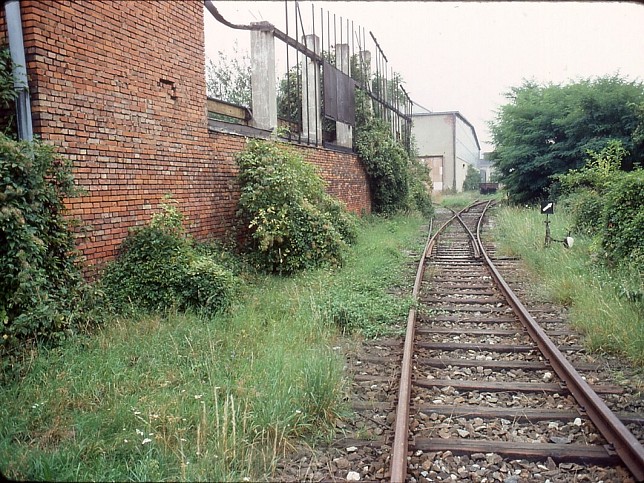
{"points": [[547, 130], [229, 78], [472, 179]]}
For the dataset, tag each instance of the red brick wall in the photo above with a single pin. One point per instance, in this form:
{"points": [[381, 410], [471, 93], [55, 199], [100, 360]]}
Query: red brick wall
{"points": [[119, 88]]}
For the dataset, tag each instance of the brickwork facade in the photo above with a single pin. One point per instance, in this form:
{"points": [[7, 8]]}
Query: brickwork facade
{"points": [[119, 88]]}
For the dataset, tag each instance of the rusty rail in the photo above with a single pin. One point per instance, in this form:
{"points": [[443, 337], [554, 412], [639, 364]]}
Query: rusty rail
{"points": [[621, 440], [624, 443]]}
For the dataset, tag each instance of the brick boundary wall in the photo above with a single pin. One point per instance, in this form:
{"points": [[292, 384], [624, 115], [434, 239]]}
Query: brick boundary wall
{"points": [[119, 88]]}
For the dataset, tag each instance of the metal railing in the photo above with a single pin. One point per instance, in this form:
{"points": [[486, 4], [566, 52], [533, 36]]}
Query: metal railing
{"points": [[331, 82]]}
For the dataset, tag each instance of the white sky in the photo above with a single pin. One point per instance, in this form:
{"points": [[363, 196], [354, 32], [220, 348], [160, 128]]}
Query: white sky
{"points": [[462, 56]]}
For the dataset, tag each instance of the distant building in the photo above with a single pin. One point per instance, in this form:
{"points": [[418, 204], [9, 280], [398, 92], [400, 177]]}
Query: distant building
{"points": [[446, 143], [486, 167]]}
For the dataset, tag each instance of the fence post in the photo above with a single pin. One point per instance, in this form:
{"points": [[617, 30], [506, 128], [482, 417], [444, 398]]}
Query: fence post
{"points": [[365, 65], [344, 133], [311, 119], [263, 84]]}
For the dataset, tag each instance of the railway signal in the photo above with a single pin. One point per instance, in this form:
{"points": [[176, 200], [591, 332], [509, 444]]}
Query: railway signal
{"points": [[548, 208]]}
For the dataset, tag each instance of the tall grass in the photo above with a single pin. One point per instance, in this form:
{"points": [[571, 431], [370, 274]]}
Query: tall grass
{"points": [[575, 278], [187, 397], [461, 200]]}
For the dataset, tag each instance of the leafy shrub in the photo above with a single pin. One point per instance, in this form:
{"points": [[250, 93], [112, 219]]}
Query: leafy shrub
{"points": [[7, 93], [623, 234], [584, 188], [293, 223], [41, 288], [386, 163], [159, 268], [587, 209], [420, 187]]}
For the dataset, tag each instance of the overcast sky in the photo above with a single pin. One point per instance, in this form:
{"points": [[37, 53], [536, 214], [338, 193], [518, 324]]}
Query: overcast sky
{"points": [[463, 56]]}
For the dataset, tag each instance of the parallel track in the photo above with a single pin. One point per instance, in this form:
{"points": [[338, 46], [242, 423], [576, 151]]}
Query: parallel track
{"points": [[502, 367]]}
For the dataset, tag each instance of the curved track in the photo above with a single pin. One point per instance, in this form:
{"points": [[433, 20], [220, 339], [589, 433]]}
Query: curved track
{"points": [[480, 379]]}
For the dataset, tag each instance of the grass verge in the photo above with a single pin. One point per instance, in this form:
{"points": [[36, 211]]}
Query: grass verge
{"points": [[188, 397], [594, 294]]}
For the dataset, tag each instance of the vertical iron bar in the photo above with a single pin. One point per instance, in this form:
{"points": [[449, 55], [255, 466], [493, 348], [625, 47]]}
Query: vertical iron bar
{"points": [[316, 69]]}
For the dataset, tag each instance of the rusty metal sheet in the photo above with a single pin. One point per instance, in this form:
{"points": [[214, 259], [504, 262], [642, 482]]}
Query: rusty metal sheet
{"points": [[339, 95]]}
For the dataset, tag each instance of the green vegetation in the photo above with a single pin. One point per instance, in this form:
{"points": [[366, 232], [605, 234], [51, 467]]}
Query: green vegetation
{"points": [[228, 79], [472, 179], [159, 267], [602, 301], [200, 396], [459, 201], [293, 223], [42, 294], [546, 130], [398, 181], [606, 204], [7, 92]]}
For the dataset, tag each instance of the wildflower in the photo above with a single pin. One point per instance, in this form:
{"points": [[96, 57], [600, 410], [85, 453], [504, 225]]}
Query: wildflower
{"points": [[146, 441], [139, 432], [126, 441], [198, 396]]}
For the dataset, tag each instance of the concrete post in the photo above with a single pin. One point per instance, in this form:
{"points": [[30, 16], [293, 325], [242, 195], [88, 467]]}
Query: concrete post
{"points": [[311, 106], [344, 133], [263, 84], [365, 65]]}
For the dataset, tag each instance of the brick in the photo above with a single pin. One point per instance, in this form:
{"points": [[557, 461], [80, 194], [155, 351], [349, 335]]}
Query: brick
{"points": [[94, 77]]}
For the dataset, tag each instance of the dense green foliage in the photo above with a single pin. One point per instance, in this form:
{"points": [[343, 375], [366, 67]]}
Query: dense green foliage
{"points": [[472, 179], [623, 232], [398, 181], [606, 203], [293, 223], [546, 130], [7, 91], [159, 268], [420, 187], [584, 188], [386, 163], [40, 284]]}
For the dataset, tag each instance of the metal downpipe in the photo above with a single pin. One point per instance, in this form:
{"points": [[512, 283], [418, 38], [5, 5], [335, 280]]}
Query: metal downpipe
{"points": [[21, 86]]}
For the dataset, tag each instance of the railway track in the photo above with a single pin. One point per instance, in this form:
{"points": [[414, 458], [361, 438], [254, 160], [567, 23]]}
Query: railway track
{"points": [[484, 403], [484, 387]]}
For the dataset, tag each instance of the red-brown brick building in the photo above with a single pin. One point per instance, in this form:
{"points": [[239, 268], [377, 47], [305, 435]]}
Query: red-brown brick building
{"points": [[119, 88]]}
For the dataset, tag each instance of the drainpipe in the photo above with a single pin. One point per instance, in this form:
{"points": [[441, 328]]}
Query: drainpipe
{"points": [[17, 48]]}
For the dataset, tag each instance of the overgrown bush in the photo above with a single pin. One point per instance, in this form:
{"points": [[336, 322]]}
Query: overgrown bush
{"points": [[607, 203], [587, 209], [7, 92], [420, 187], [583, 189], [41, 288], [293, 223], [159, 268], [386, 163], [623, 234]]}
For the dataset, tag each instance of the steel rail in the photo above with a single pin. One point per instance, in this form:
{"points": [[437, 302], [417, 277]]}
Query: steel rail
{"points": [[398, 468], [623, 442]]}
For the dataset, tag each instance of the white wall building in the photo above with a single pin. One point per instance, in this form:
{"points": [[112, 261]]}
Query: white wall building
{"points": [[446, 143]]}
